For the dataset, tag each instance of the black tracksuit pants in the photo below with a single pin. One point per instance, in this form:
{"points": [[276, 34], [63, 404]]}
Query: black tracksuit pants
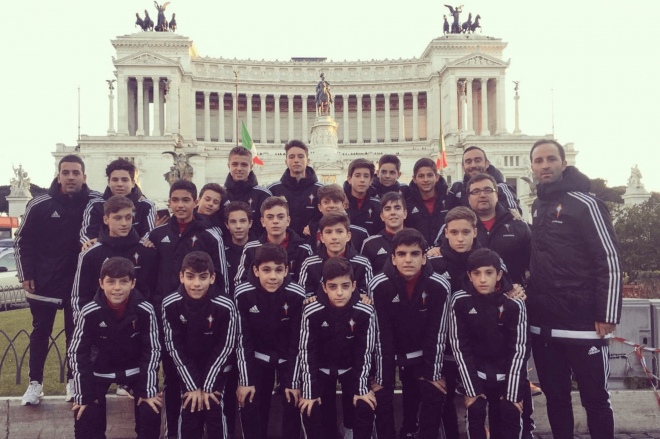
{"points": [[322, 423], [504, 419], [171, 385], [229, 402], [92, 423], [449, 416], [43, 318], [254, 416], [591, 367], [192, 424]]}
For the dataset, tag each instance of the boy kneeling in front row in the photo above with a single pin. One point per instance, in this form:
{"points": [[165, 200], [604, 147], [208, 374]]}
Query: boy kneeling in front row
{"points": [[122, 326], [338, 336], [489, 338], [200, 325]]}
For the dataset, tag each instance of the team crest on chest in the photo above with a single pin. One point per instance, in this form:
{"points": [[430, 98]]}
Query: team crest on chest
{"points": [[424, 296], [193, 239], [136, 256], [250, 202], [311, 198], [370, 212], [352, 323], [210, 320], [559, 209], [286, 308]]}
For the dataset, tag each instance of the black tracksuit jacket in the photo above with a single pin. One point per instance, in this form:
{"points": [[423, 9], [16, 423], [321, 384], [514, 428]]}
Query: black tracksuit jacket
{"points": [[91, 261], [103, 344], [47, 246], [419, 217], [505, 193], [452, 264], [250, 192], [297, 252], [489, 336], [378, 249], [336, 339], [311, 271], [233, 253], [144, 216], [381, 189], [301, 195], [358, 234], [368, 216], [200, 336], [410, 332], [269, 329], [575, 272]]}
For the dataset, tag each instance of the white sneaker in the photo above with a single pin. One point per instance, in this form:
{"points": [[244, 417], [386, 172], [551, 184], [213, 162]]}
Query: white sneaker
{"points": [[69, 391], [33, 393]]}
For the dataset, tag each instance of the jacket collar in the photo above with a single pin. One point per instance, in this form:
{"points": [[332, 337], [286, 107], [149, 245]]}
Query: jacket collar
{"points": [[241, 187], [55, 191], [440, 190], [455, 258], [126, 241], [572, 180], [294, 239], [135, 195], [350, 251], [371, 192], [502, 215], [199, 223], [293, 183]]}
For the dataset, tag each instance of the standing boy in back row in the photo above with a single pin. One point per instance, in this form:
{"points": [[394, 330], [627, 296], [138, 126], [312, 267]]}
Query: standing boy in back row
{"points": [[363, 208]]}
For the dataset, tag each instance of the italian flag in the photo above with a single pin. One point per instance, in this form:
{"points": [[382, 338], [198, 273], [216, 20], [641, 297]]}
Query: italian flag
{"points": [[247, 142], [441, 162]]}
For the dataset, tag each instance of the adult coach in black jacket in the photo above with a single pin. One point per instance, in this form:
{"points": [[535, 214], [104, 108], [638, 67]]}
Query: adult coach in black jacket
{"points": [[47, 249], [575, 292]]}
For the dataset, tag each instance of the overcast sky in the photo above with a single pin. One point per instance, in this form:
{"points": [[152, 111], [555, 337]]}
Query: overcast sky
{"points": [[600, 57]]}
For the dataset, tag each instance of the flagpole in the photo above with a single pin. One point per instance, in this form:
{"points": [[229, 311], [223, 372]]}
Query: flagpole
{"points": [[236, 100]]}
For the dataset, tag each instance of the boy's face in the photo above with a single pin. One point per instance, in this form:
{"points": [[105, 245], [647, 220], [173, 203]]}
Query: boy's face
{"points": [[120, 183], [485, 279], [296, 160], [335, 238], [209, 202], [182, 204], [276, 220], [327, 205], [119, 223], [271, 275], [339, 290], [196, 284], [360, 180], [388, 174], [71, 177], [238, 224], [393, 215], [408, 259], [426, 178], [239, 167], [460, 235], [116, 290]]}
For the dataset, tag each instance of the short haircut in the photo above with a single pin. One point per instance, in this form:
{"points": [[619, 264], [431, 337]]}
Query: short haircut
{"points": [[270, 253], [184, 185], [424, 163], [71, 159], [337, 267], [271, 202], [389, 158], [296, 144], [562, 153], [215, 187], [392, 197], [197, 262], [117, 203], [333, 192], [120, 165], [408, 237], [480, 177], [361, 163], [472, 148], [236, 206], [483, 257], [240, 150], [334, 218], [461, 213], [117, 268]]}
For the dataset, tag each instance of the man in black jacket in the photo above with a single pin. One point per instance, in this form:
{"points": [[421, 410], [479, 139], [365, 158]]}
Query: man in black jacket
{"points": [[574, 294], [363, 208], [298, 185], [387, 180], [242, 185], [378, 248], [47, 248]]}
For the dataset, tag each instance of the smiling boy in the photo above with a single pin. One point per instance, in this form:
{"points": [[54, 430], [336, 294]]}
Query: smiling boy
{"points": [[378, 248], [363, 208]]}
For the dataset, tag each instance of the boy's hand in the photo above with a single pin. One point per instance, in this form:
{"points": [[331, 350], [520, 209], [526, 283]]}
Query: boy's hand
{"points": [[80, 408], [517, 292], [469, 400], [28, 285], [195, 399], [307, 404], [206, 396], [375, 387], [369, 398], [306, 231], [364, 299], [518, 405], [243, 392], [145, 242], [435, 251], [310, 299], [160, 220], [292, 393], [88, 244], [153, 402], [516, 215], [441, 384], [604, 328]]}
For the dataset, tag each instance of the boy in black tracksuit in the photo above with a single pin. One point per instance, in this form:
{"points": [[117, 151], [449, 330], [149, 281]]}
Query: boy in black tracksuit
{"points": [[336, 243], [378, 248], [411, 307], [212, 198], [200, 325], [337, 339], [363, 208], [269, 308], [490, 342], [116, 341], [387, 180]]}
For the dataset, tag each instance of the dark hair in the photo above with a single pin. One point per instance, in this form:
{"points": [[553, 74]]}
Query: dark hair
{"points": [[184, 185], [334, 218], [270, 253], [361, 163], [240, 150], [296, 144], [472, 148], [461, 213], [484, 257], [479, 177], [389, 158], [271, 202], [337, 267], [236, 206], [117, 267], [197, 262], [215, 187], [332, 191], [392, 197], [120, 165], [409, 237], [71, 159], [116, 203], [562, 153], [424, 163]]}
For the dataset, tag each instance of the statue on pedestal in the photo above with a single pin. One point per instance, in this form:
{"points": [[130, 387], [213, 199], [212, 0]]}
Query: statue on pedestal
{"points": [[323, 97], [635, 180], [181, 170], [455, 26], [161, 24], [516, 87], [20, 184]]}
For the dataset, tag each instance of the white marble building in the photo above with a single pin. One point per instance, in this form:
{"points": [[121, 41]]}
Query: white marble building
{"points": [[166, 92]]}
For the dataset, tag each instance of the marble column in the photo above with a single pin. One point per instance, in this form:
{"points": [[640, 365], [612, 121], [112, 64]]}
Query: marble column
{"points": [[145, 109], [277, 119], [347, 133], [501, 107], [234, 126], [388, 129], [374, 131], [111, 119], [122, 106], [140, 103], [360, 138], [485, 131], [161, 107], [262, 109], [221, 117], [415, 96], [470, 112], [454, 106], [156, 93], [304, 118], [402, 134], [173, 104], [248, 104], [517, 129], [290, 101], [207, 116]]}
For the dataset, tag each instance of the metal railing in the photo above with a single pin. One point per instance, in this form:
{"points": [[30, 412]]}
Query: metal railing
{"points": [[13, 296], [12, 350]]}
